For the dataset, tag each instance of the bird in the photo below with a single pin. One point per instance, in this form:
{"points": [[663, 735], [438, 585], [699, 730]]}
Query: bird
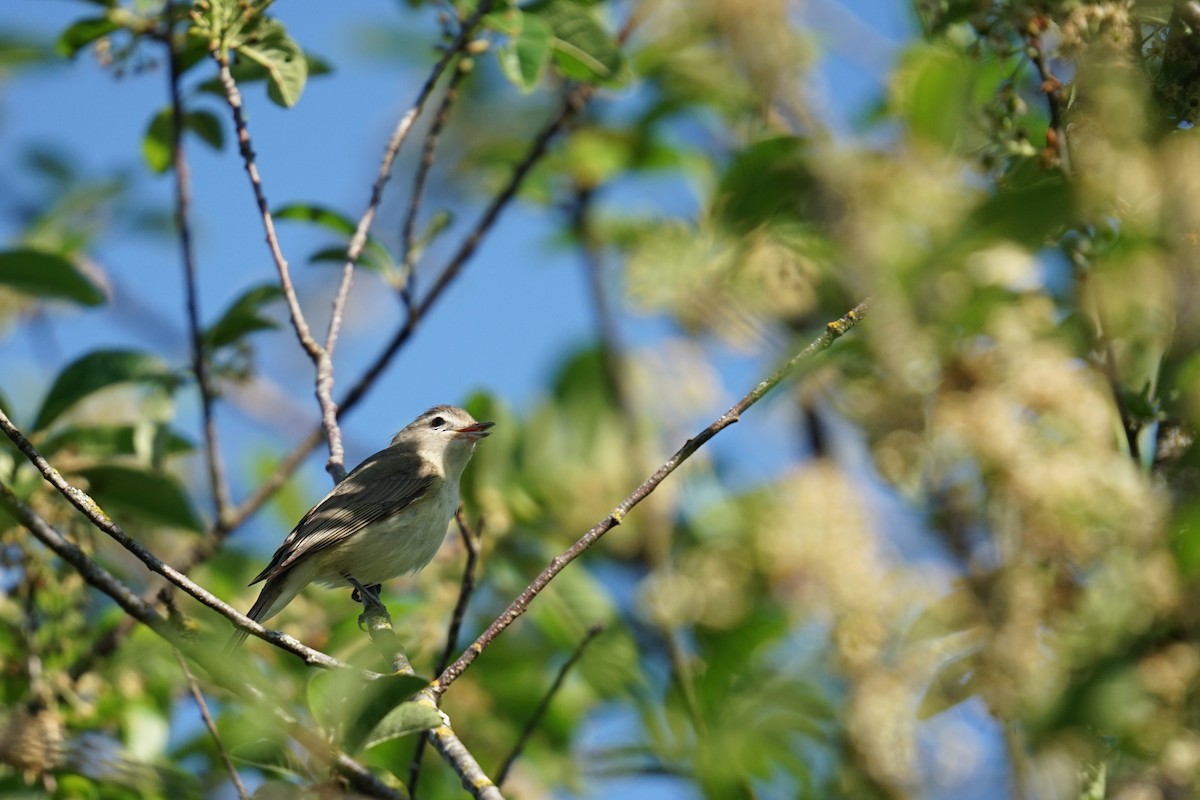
{"points": [[387, 518]]}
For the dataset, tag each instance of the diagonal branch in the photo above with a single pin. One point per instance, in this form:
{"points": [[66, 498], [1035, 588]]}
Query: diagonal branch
{"points": [[183, 200], [408, 249], [90, 509], [520, 605], [211, 725], [544, 705]]}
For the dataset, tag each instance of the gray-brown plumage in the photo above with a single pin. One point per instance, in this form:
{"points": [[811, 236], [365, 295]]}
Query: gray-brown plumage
{"points": [[387, 518]]}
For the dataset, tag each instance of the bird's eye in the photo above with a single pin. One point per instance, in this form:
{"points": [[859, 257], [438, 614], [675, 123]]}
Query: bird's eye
{"points": [[437, 422]]}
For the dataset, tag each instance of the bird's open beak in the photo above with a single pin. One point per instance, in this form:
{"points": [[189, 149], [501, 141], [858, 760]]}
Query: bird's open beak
{"points": [[476, 431]]}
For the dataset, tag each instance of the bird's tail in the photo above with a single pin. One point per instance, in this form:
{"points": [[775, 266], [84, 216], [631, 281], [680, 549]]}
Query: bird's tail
{"points": [[263, 608]]}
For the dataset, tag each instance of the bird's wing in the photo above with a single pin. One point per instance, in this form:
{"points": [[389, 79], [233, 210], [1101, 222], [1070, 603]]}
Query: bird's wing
{"points": [[379, 488]]}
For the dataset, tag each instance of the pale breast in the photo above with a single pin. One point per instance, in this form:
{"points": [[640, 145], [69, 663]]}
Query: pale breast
{"points": [[396, 546]]}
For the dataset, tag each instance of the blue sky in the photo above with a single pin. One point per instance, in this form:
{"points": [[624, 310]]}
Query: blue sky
{"points": [[518, 309]]}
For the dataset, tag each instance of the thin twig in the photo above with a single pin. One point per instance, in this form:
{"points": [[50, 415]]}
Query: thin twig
{"points": [[359, 240], [544, 705], [466, 589], [234, 99], [408, 247], [833, 331], [210, 723], [610, 340], [471, 540], [573, 103], [90, 509], [183, 200], [1051, 86]]}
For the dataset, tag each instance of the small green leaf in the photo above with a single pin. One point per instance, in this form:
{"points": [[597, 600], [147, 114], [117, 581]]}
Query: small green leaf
{"points": [[207, 126], [243, 316], [309, 212], [16, 51], [284, 61], [103, 441], [47, 275], [954, 682], [351, 708], [153, 496], [157, 143], [83, 33], [768, 181], [375, 256], [403, 720], [583, 49], [98, 370], [525, 56]]}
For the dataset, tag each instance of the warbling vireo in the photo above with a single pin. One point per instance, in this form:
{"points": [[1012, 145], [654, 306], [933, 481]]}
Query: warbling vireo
{"points": [[386, 518]]}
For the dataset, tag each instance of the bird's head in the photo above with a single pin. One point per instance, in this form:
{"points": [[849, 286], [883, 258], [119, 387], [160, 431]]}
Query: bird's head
{"points": [[443, 432]]}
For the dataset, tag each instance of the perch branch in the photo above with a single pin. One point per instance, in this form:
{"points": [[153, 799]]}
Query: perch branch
{"points": [[833, 331]]}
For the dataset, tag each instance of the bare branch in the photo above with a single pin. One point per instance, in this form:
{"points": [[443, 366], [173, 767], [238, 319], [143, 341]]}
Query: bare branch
{"points": [[359, 240], [90, 509], [573, 103], [473, 778], [183, 200], [319, 355], [540, 711], [408, 247], [833, 331], [88, 569], [234, 98], [211, 724]]}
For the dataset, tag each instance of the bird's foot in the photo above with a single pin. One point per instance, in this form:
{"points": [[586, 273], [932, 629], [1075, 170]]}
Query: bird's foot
{"points": [[369, 597], [371, 592]]}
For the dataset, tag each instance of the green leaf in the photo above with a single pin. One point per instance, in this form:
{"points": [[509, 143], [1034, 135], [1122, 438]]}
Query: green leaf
{"points": [[83, 33], [1027, 215], [375, 256], [250, 72], [16, 51], [151, 495], [207, 126], [47, 275], [157, 143], [243, 316], [343, 702], [284, 61], [403, 720], [525, 56], [954, 682], [583, 49], [109, 440], [767, 182], [321, 215], [98, 370]]}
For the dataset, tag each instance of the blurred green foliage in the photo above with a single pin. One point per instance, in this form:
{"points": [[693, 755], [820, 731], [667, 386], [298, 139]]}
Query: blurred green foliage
{"points": [[1023, 396]]}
